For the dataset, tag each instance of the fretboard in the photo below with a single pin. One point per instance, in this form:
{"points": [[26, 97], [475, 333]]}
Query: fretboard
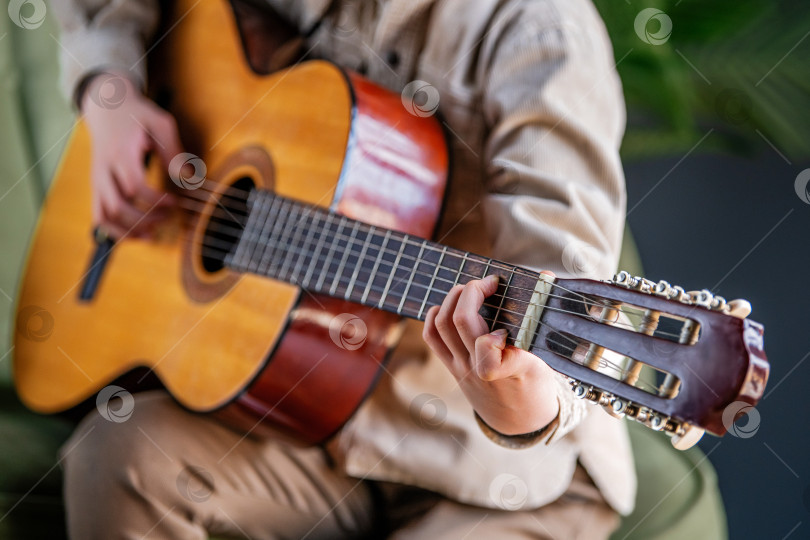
{"points": [[327, 253]]}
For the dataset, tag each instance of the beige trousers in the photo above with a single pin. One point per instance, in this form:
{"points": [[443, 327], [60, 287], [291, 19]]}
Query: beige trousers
{"points": [[168, 473]]}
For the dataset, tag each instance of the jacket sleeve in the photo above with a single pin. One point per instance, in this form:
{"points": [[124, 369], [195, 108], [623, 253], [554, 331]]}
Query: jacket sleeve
{"points": [[555, 116], [99, 35]]}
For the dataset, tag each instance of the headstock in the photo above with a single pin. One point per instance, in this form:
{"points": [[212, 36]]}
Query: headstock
{"points": [[670, 359]]}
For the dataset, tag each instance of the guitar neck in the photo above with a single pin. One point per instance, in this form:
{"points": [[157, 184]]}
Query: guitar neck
{"points": [[572, 323], [331, 254]]}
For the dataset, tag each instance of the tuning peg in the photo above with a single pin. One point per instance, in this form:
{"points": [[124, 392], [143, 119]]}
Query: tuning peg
{"points": [[701, 298], [638, 283], [623, 278], [719, 303], [662, 288], [618, 407], [739, 308], [657, 422], [580, 390], [677, 293]]}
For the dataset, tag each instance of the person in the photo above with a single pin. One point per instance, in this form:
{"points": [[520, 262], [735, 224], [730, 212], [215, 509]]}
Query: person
{"points": [[464, 438]]}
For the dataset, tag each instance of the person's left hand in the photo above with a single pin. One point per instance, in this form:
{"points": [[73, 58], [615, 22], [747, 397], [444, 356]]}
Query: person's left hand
{"points": [[513, 391]]}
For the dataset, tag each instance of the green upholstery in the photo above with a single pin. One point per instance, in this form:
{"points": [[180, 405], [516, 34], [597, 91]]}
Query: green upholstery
{"points": [[678, 495], [34, 119]]}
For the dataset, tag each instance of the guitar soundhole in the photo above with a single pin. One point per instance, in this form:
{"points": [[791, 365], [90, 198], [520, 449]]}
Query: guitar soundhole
{"points": [[225, 225]]}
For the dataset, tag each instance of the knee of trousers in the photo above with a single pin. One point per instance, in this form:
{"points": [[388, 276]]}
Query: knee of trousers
{"points": [[128, 449]]}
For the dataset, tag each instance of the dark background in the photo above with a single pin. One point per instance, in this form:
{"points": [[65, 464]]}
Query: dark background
{"points": [[718, 130], [735, 225]]}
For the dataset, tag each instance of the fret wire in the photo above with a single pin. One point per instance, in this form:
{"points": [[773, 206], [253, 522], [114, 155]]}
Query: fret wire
{"points": [[432, 281], [237, 260], [341, 225], [280, 232], [359, 264], [344, 258], [253, 234], [377, 260], [267, 209], [460, 271], [291, 229], [487, 268], [316, 257], [410, 279], [403, 242], [253, 222], [297, 231], [503, 297], [307, 241], [268, 225]]}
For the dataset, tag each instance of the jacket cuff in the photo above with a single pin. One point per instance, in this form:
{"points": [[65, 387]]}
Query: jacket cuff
{"points": [[570, 414], [516, 442], [94, 51]]}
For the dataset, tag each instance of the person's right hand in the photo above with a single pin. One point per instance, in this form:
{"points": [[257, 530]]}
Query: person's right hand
{"points": [[124, 127]]}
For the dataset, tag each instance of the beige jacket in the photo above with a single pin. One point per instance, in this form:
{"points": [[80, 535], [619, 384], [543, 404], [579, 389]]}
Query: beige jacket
{"points": [[529, 94]]}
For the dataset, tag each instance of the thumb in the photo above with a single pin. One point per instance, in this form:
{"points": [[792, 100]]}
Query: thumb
{"points": [[494, 360]]}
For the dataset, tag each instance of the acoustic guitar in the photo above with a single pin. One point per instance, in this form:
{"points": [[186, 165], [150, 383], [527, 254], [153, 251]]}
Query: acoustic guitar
{"points": [[276, 290]]}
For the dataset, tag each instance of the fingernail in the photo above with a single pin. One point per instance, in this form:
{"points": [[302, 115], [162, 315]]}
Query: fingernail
{"points": [[492, 279], [500, 332]]}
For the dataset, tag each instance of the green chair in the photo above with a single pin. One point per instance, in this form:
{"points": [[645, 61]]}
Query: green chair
{"points": [[678, 495]]}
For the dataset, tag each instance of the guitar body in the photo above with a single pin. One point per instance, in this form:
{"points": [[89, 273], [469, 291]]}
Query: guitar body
{"points": [[253, 348]]}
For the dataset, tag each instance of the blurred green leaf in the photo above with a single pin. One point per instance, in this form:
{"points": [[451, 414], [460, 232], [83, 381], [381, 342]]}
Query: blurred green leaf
{"points": [[738, 67]]}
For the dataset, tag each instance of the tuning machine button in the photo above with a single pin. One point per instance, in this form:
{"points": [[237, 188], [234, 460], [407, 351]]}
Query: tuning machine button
{"points": [[719, 304], [739, 308], [638, 283], [619, 407], [687, 437], [701, 298], [656, 422], [662, 288], [678, 293], [623, 278], [580, 390]]}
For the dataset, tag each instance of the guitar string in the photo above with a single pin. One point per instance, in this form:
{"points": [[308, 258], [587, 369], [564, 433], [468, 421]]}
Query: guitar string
{"points": [[501, 309], [430, 290], [602, 361], [502, 266], [229, 192], [295, 250], [350, 240], [600, 358], [310, 209], [315, 209], [215, 244]]}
